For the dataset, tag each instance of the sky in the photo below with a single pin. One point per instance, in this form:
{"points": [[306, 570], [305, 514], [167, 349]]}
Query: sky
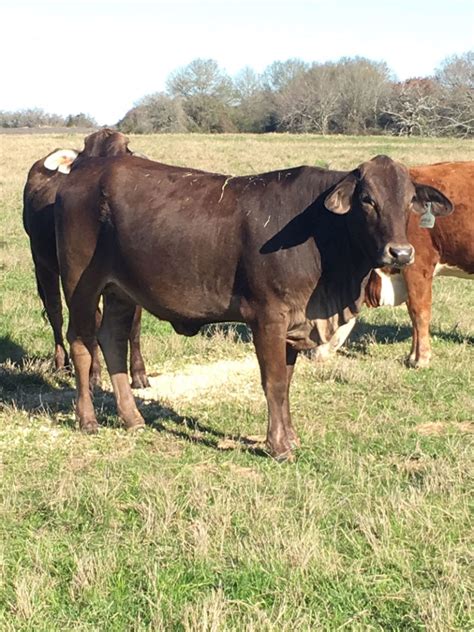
{"points": [[101, 56]]}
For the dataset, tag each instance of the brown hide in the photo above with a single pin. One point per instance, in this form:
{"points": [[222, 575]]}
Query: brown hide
{"points": [[284, 252], [450, 242], [38, 219]]}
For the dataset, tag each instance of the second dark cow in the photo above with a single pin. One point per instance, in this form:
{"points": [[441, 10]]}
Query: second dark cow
{"points": [[43, 181]]}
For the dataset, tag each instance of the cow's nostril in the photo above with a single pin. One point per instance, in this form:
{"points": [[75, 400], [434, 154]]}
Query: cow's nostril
{"points": [[401, 254], [397, 253]]}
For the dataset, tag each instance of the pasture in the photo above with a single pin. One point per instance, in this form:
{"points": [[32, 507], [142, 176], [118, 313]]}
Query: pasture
{"points": [[186, 526]]}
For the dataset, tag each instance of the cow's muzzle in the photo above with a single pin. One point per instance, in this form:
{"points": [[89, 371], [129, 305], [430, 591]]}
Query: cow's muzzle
{"points": [[398, 255]]}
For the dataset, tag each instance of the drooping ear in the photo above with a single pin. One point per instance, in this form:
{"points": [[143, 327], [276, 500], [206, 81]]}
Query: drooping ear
{"points": [[61, 160], [340, 199], [440, 204]]}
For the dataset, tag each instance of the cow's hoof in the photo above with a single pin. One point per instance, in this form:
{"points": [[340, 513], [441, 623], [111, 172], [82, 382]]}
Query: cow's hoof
{"points": [[140, 380], [64, 371], [284, 457], [282, 454], [295, 442], [421, 363], [322, 353], [135, 425], [89, 427]]}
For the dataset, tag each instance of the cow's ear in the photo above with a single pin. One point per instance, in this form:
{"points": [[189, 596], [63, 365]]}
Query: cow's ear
{"points": [[425, 195], [61, 160], [340, 199]]}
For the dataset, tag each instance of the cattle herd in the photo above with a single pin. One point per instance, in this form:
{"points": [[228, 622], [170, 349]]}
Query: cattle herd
{"points": [[293, 253]]}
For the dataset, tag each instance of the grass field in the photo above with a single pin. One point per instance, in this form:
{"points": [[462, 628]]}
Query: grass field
{"points": [[183, 527]]}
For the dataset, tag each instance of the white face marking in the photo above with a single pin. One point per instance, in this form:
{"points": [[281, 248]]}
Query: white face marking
{"points": [[61, 160], [393, 291], [442, 269]]}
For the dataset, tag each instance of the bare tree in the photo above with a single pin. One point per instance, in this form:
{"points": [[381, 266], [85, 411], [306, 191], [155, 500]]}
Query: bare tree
{"points": [[208, 95], [363, 86], [342, 97], [412, 108], [254, 109], [456, 108], [279, 74], [309, 103], [155, 113]]}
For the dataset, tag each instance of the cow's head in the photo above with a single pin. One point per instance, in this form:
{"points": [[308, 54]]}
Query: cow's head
{"points": [[104, 143], [377, 197]]}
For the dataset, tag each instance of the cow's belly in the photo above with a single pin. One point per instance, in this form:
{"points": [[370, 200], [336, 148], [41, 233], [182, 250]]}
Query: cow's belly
{"points": [[443, 269], [186, 309]]}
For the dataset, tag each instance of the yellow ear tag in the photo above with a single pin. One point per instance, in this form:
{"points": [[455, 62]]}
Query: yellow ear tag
{"points": [[427, 220]]}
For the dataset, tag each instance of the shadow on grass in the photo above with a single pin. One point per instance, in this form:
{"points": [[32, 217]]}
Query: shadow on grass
{"points": [[29, 385], [29, 391], [365, 334], [21, 373], [10, 350], [192, 430]]}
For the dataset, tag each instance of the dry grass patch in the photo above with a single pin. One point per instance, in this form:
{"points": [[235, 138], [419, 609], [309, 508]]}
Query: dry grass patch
{"points": [[220, 380]]}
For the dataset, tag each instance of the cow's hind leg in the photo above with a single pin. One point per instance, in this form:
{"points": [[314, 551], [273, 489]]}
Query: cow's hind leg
{"points": [[82, 339], [47, 282], [137, 364], [270, 344], [113, 338]]}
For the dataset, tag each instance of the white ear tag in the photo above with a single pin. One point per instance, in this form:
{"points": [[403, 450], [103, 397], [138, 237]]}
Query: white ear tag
{"points": [[427, 220]]}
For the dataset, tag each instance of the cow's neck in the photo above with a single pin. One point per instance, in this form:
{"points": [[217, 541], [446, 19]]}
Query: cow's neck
{"points": [[339, 294]]}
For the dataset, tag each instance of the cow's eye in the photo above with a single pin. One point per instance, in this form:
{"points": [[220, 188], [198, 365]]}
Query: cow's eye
{"points": [[366, 199]]}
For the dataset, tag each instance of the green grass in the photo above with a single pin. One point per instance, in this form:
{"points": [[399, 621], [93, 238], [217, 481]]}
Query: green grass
{"points": [[185, 528]]}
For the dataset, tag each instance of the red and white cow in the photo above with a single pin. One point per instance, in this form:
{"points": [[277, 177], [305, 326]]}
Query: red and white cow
{"points": [[446, 249]]}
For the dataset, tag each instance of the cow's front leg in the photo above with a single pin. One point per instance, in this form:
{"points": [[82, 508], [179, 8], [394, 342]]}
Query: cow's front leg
{"points": [[420, 285], [270, 344]]}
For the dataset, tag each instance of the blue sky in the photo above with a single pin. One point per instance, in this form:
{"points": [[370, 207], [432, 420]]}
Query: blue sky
{"points": [[101, 56]]}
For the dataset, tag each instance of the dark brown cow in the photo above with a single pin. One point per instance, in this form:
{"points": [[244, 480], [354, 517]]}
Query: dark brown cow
{"points": [[445, 249], [286, 252], [44, 179]]}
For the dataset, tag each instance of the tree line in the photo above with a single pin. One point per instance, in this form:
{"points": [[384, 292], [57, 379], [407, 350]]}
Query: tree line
{"points": [[36, 117], [348, 96]]}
